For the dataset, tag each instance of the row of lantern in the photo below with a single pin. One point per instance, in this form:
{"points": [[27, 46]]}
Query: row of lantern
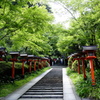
{"points": [[88, 53], [23, 59]]}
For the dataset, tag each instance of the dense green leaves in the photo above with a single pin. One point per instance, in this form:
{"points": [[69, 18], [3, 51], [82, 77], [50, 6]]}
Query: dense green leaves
{"points": [[26, 26], [84, 28], [22, 27]]}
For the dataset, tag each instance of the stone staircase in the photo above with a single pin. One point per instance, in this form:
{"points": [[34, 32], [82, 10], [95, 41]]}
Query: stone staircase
{"points": [[48, 88], [43, 93]]}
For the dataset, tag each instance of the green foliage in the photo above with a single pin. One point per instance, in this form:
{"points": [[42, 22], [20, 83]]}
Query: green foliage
{"points": [[38, 36], [84, 25], [6, 70], [55, 31], [70, 61], [47, 64], [21, 29], [75, 65], [83, 87], [4, 66], [8, 88], [69, 71]]}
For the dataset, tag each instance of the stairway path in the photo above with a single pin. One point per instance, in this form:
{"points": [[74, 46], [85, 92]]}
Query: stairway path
{"points": [[54, 84], [50, 86]]}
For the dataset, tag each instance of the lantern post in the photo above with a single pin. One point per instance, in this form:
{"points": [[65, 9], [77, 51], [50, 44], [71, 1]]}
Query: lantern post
{"points": [[45, 60], [75, 58], [90, 52], [14, 59], [79, 66], [39, 61], [35, 64], [36, 59], [78, 59], [83, 65], [30, 59], [23, 59]]}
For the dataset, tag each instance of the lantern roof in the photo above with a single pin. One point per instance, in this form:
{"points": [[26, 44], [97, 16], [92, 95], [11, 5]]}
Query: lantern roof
{"points": [[30, 56], [14, 52], [23, 55], [2, 48], [89, 48]]}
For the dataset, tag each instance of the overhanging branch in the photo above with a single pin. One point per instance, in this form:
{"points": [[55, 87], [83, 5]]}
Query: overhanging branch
{"points": [[7, 34]]}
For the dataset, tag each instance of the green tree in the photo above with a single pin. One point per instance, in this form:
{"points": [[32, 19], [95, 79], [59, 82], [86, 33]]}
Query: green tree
{"points": [[22, 27], [56, 30], [84, 30]]}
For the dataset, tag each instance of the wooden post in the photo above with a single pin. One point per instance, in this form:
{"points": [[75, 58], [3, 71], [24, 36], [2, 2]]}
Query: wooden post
{"points": [[79, 66], [34, 65], [1, 59], [30, 66], [13, 69], [83, 68], [92, 72], [23, 68]]}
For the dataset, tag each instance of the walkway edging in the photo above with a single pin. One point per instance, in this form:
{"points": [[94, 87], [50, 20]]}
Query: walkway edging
{"points": [[68, 88]]}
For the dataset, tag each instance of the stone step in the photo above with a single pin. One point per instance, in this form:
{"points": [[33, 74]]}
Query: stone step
{"points": [[42, 96], [43, 93], [40, 99], [45, 90], [50, 87]]}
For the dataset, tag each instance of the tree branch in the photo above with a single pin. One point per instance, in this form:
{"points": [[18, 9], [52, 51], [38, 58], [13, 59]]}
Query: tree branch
{"points": [[4, 36], [7, 34], [67, 10], [73, 16], [3, 28]]}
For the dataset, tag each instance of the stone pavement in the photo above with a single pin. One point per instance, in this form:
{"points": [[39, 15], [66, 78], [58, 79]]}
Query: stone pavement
{"points": [[68, 88]]}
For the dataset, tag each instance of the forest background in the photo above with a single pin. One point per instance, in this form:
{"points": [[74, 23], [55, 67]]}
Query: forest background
{"points": [[27, 26]]}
